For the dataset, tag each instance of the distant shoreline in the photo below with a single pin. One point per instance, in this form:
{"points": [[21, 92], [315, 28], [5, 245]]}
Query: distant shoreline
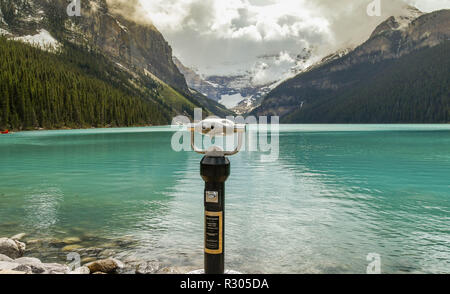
{"points": [[70, 129], [147, 126]]}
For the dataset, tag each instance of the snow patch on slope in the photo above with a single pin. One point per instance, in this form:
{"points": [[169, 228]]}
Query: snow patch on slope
{"points": [[405, 19], [230, 101], [43, 40]]}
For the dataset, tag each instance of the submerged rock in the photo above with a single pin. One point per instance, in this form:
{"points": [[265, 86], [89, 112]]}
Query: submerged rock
{"points": [[124, 242], [54, 242], [71, 247], [91, 251], [18, 237], [88, 259], [12, 248], [174, 270], [108, 245], [150, 267], [107, 253], [33, 242], [71, 240]]}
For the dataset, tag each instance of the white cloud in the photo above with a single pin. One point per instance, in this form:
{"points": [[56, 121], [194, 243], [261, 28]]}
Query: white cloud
{"points": [[209, 34], [430, 5], [219, 36]]}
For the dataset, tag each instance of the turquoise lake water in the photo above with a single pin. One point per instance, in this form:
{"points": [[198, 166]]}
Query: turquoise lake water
{"points": [[335, 194]]}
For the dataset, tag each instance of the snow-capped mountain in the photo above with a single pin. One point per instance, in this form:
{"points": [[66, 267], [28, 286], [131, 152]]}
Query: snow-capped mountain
{"points": [[242, 90], [242, 85], [398, 75], [398, 22]]}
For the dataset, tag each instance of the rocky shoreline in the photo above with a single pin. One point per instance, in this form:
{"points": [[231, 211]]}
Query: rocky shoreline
{"points": [[91, 260]]}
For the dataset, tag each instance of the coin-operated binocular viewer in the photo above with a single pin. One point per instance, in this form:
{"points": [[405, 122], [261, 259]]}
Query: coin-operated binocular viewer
{"points": [[215, 170]]}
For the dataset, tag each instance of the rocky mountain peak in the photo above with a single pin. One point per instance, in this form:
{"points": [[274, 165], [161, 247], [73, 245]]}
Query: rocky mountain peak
{"points": [[400, 21]]}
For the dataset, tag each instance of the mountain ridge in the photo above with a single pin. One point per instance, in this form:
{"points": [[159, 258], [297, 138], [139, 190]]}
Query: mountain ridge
{"points": [[296, 98]]}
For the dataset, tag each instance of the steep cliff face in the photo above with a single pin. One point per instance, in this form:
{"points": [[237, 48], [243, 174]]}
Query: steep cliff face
{"points": [[128, 43], [395, 38], [195, 81], [132, 45]]}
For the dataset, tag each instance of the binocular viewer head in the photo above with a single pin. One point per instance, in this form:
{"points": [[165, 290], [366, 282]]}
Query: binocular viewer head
{"points": [[215, 127]]}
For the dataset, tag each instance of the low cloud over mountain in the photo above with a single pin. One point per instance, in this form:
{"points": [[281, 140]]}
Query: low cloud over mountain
{"points": [[219, 37]]}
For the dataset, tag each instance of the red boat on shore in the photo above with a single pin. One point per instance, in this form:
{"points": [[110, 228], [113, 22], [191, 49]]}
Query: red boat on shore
{"points": [[5, 132]]}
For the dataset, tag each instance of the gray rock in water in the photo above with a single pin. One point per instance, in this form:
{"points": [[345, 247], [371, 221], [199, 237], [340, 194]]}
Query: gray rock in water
{"points": [[4, 265], [84, 270], [150, 267], [174, 270], [107, 253], [120, 264], [12, 248], [5, 258], [90, 251], [18, 237]]}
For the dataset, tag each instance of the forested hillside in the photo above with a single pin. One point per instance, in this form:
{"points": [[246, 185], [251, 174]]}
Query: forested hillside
{"points": [[72, 88], [412, 89]]}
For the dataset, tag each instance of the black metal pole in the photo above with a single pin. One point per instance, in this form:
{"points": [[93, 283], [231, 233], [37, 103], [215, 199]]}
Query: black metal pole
{"points": [[215, 172]]}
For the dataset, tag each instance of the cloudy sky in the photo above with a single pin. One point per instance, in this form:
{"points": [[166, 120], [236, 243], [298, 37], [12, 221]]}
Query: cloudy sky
{"points": [[214, 36]]}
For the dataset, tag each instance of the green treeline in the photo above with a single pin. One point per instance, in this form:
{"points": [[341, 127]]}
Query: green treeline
{"points": [[412, 89], [73, 88]]}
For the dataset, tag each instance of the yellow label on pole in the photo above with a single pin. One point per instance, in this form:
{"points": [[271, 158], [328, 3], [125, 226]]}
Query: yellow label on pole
{"points": [[213, 232]]}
